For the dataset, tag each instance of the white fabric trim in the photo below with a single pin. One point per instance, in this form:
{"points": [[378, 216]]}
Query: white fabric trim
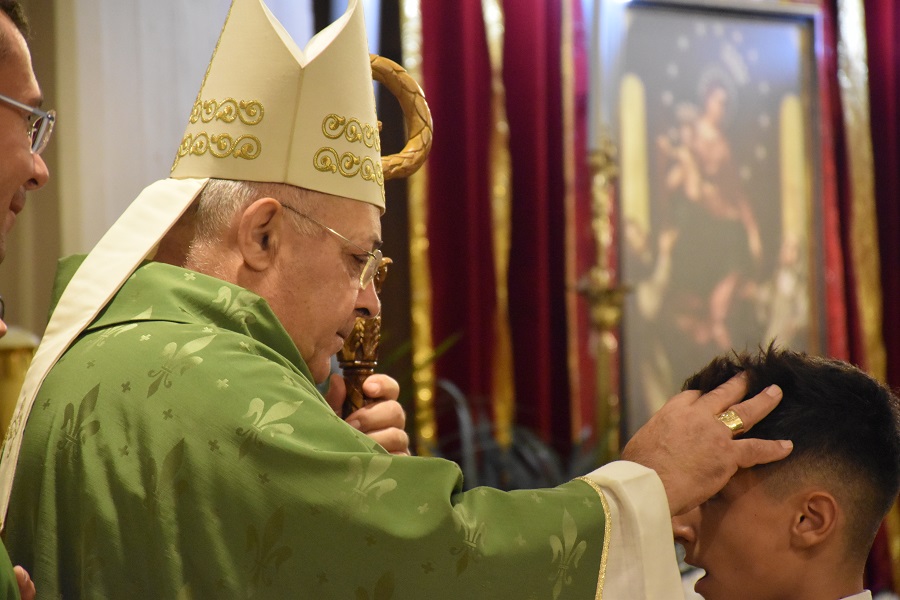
{"points": [[641, 564], [863, 595], [115, 257]]}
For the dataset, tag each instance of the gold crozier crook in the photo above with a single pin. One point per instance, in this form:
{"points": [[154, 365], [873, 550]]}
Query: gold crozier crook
{"points": [[359, 356]]}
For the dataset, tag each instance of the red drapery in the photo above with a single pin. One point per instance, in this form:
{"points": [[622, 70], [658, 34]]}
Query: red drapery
{"points": [[456, 71], [882, 27], [532, 74]]}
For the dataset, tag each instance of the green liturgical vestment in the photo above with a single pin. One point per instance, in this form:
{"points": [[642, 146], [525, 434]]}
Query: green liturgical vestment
{"points": [[179, 449], [9, 589]]}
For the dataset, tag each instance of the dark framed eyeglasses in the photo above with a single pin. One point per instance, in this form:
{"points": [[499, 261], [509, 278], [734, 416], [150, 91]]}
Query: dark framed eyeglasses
{"points": [[42, 126], [374, 258]]}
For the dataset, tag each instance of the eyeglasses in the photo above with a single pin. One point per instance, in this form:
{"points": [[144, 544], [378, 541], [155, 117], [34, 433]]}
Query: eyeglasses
{"points": [[42, 126], [374, 258]]}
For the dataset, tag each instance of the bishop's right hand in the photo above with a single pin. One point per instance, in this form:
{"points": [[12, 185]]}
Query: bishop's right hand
{"points": [[693, 452]]}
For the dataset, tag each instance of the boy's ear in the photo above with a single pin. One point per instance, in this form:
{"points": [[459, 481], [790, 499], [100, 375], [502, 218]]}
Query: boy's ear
{"points": [[815, 519], [259, 233]]}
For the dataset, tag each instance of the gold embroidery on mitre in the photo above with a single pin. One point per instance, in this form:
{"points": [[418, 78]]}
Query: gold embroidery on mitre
{"points": [[250, 112], [335, 126], [219, 145], [348, 165]]}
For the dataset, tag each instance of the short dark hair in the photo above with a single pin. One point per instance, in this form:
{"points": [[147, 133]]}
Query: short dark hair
{"points": [[13, 10], [845, 426], [16, 14]]}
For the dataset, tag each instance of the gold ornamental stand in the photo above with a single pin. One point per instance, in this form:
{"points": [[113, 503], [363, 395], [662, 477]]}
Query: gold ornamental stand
{"points": [[605, 298]]}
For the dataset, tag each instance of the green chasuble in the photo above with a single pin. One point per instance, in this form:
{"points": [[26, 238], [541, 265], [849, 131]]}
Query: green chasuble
{"points": [[179, 449], [9, 589]]}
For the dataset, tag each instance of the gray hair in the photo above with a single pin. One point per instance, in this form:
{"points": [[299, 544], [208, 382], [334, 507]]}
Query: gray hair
{"points": [[223, 199]]}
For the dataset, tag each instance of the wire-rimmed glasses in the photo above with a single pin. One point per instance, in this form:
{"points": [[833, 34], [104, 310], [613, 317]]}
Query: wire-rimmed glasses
{"points": [[42, 126], [372, 263]]}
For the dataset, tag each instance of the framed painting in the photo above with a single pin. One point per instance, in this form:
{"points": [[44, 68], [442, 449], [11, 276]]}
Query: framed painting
{"points": [[714, 109]]}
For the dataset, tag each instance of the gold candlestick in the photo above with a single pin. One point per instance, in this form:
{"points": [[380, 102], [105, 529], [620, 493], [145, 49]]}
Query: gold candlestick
{"points": [[605, 298]]}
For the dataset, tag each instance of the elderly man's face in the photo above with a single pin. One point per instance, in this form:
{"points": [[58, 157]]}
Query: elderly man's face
{"points": [[319, 298], [20, 170]]}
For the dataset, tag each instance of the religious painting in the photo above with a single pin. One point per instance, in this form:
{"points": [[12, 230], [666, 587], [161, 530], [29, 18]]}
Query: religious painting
{"points": [[713, 109]]}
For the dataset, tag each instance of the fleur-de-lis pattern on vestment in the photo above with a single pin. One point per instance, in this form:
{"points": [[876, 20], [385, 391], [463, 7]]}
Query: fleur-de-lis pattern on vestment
{"points": [[368, 482], [236, 306], [384, 589], [264, 422], [266, 555], [473, 536], [176, 362], [76, 425], [566, 553], [166, 479], [197, 495], [110, 332]]}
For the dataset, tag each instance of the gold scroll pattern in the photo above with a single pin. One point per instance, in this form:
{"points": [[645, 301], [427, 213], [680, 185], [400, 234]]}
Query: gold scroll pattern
{"points": [[223, 145], [220, 145], [250, 112], [335, 126], [348, 164]]}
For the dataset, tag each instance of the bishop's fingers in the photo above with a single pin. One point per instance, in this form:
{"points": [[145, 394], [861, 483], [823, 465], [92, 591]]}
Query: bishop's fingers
{"points": [[753, 410], [726, 395]]}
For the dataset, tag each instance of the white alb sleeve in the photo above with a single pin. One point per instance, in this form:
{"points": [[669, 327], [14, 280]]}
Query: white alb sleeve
{"points": [[641, 563]]}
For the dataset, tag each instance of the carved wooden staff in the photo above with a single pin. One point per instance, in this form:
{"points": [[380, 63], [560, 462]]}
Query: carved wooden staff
{"points": [[359, 356]]}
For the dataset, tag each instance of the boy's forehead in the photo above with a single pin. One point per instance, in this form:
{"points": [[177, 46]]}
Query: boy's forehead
{"points": [[743, 480]]}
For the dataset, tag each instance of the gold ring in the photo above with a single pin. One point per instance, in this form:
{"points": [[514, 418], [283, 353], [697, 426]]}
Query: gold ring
{"points": [[732, 421]]}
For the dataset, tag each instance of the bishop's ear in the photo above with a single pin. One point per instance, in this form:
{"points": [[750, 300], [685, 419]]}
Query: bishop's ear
{"points": [[259, 233], [815, 519]]}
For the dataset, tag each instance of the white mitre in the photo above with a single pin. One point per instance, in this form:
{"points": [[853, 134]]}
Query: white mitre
{"points": [[267, 111]]}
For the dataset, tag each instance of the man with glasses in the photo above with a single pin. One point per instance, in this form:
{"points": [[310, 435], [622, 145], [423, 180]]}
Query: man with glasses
{"points": [[24, 133], [24, 128]]}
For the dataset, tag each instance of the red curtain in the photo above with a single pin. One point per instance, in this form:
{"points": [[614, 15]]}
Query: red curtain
{"points": [[882, 28], [532, 75], [882, 31], [456, 73], [457, 80]]}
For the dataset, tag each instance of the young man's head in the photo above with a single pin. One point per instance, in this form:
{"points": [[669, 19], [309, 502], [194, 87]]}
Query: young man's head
{"points": [[800, 528]]}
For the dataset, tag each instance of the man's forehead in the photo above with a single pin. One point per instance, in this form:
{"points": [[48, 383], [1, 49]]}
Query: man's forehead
{"points": [[17, 78]]}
